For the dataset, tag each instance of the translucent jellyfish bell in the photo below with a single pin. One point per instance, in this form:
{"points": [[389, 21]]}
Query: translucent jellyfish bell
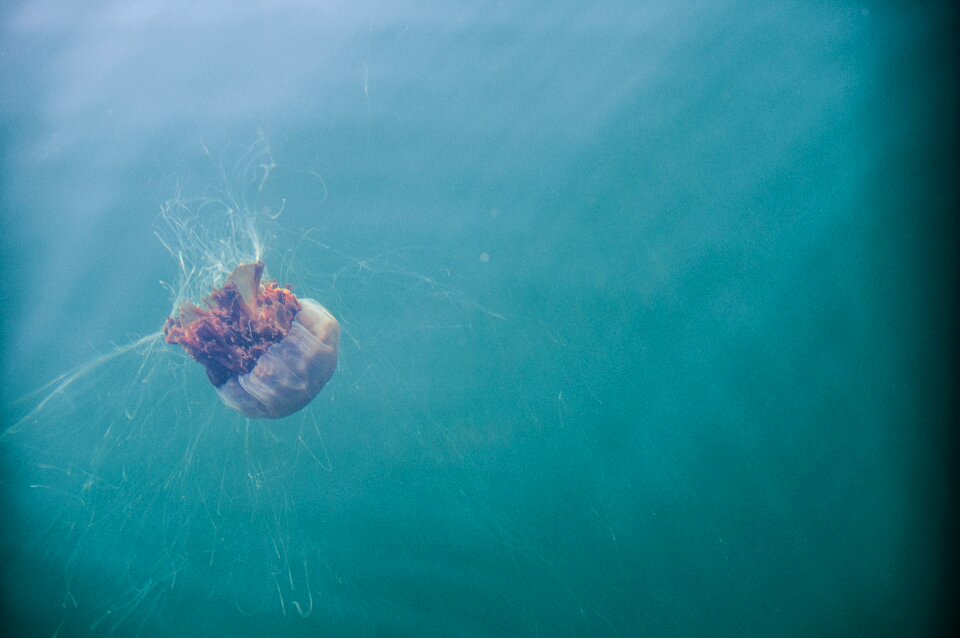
{"points": [[267, 353]]}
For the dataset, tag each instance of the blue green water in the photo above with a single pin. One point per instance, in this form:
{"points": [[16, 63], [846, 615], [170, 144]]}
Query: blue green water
{"points": [[647, 314]]}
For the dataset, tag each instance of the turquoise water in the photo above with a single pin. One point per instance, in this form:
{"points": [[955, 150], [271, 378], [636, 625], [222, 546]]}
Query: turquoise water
{"points": [[647, 315]]}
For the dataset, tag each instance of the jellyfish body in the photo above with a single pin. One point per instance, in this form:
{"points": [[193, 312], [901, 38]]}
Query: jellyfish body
{"points": [[291, 372], [267, 352]]}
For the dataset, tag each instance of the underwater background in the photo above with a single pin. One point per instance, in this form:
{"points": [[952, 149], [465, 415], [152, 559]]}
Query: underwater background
{"points": [[648, 316]]}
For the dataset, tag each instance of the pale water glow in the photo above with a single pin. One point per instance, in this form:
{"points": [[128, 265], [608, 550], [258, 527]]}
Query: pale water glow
{"points": [[647, 315]]}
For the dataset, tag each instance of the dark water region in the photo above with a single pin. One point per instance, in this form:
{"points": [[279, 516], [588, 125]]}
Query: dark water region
{"points": [[648, 317]]}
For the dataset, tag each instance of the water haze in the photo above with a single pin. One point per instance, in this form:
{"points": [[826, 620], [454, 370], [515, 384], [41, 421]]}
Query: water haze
{"points": [[648, 313]]}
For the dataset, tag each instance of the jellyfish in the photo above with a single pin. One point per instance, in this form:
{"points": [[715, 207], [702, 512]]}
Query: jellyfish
{"points": [[267, 353], [150, 494]]}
